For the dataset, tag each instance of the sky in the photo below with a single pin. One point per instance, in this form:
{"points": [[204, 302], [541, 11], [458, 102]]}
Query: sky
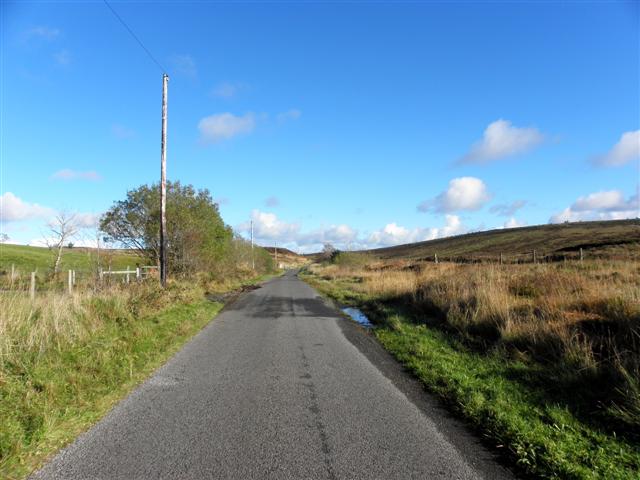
{"points": [[361, 124]]}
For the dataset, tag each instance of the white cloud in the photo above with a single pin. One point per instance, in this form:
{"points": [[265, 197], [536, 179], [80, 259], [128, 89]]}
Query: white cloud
{"points": [[68, 174], [228, 90], [501, 139], [184, 65], [86, 220], [464, 193], [46, 33], [508, 209], [393, 234], [267, 226], [604, 205], [272, 201], [514, 223], [223, 126], [626, 150], [292, 114], [63, 57], [121, 132], [13, 208]]}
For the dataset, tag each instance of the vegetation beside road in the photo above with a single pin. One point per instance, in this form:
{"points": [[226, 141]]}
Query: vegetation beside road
{"points": [[543, 359], [67, 358]]}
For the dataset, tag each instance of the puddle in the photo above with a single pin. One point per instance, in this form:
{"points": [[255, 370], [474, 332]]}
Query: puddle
{"points": [[358, 316]]}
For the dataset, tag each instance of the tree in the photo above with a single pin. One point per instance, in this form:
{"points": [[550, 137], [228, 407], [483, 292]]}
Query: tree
{"points": [[62, 229], [328, 251], [196, 235]]}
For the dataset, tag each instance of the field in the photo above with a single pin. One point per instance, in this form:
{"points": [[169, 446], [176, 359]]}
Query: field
{"points": [[40, 259], [543, 359]]}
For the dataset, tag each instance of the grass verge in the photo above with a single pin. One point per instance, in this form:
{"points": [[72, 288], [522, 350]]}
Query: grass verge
{"points": [[54, 388], [500, 396]]}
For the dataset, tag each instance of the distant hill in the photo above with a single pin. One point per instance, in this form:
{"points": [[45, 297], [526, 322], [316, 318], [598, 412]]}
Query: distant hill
{"points": [[287, 258], [611, 239]]}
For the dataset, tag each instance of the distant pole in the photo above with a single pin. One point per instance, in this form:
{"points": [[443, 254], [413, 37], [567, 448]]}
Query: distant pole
{"points": [[163, 185], [253, 263]]}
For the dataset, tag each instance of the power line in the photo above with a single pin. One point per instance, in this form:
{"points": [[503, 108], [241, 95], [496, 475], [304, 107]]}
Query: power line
{"points": [[135, 36]]}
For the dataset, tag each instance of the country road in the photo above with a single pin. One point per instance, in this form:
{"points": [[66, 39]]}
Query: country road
{"points": [[280, 386]]}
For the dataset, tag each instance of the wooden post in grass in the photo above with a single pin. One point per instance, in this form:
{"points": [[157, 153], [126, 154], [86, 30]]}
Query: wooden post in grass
{"points": [[100, 275], [70, 282], [73, 278], [501, 260], [137, 274], [581, 254], [127, 273], [534, 256], [32, 288], [13, 273]]}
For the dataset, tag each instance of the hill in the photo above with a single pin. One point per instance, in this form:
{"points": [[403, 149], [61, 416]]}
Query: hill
{"points": [[287, 258], [610, 239], [29, 259]]}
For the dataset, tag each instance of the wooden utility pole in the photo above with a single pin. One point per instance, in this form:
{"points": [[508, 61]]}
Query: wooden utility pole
{"points": [[253, 263], [163, 185]]}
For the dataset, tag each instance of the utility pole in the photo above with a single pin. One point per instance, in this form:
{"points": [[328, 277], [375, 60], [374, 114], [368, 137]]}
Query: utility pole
{"points": [[163, 185], [253, 262]]}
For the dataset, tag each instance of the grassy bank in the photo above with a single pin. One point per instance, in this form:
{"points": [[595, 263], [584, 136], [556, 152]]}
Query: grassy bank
{"points": [[65, 361], [541, 359]]}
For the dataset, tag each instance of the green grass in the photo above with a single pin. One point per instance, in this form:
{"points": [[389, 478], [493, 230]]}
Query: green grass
{"points": [[499, 396], [28, 259], [48, 398]]}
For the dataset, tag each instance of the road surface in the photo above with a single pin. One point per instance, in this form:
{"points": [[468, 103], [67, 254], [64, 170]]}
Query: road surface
{"points": [[280, 386]]}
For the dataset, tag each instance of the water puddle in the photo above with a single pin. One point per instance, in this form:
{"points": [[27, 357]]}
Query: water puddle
{"points": [[358, 316]]}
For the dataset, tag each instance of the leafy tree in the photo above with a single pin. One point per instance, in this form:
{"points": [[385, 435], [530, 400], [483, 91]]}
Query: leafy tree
{"points": [[196, 235]]}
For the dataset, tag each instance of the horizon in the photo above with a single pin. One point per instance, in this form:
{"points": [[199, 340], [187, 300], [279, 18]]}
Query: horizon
{"points": [[364, 125]]}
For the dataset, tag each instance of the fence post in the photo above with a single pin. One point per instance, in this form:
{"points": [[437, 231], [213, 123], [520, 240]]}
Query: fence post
{"points": [[13, 273], [501, 261], [127, 273], [73, 277], [435, 257], [70, 282], [581, 254], [137, 274], [32, 288], [100, 274], [534, 256]]}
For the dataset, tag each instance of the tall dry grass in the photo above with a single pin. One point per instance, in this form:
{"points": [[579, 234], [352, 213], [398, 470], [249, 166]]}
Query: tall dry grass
{"points": [[580, 318]]}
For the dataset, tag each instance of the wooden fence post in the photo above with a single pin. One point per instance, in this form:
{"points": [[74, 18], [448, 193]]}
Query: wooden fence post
{"points": [[581, 254], [127, 273], [137, 274], [534, 256], [70, 282], [13, 273], [32, 288], [435, 257], [501, 261], [73, 277]]}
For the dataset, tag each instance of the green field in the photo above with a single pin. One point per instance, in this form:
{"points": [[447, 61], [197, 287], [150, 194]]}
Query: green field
{"points": [[29, 259]]}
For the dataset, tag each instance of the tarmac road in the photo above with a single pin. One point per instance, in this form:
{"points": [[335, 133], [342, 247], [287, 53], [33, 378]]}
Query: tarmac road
{"points": [[279, 385]]}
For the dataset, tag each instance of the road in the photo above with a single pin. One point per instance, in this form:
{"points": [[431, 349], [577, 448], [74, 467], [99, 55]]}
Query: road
{"points": [[279, 385]]}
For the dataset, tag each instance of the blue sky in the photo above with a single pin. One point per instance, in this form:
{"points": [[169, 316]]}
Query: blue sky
{"points": [[362, 124]]}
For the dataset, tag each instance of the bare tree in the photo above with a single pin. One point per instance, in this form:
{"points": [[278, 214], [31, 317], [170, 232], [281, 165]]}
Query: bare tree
{"points": [[62, 228]]}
